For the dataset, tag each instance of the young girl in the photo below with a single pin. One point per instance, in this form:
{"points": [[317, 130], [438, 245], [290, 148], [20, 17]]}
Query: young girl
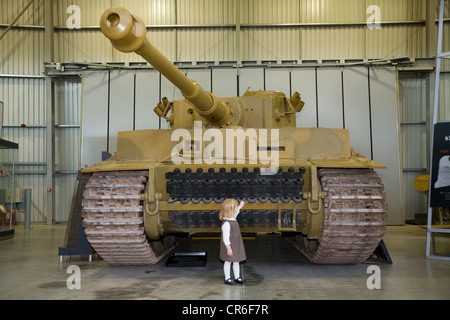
{"points": [[231, 245]]}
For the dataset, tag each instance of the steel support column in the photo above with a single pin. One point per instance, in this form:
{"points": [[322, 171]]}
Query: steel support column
{"points": [[50, 112], [431, 29]]}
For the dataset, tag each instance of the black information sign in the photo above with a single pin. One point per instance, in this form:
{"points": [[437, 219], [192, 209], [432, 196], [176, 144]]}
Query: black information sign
{"points": [[440, 179]]}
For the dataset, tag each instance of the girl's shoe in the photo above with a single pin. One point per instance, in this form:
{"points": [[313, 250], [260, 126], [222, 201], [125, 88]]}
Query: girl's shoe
{"points": [[229, 282], [240, 281]]}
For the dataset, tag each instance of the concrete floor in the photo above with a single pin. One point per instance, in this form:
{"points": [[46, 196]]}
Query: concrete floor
{"points": [[30, 269]]}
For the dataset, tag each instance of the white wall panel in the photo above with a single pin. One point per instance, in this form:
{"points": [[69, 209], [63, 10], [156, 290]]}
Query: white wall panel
{"points": [[224, 82], [329, 103], [251, 79], [147, 97], [169, 91], [113, 101], [357, 109], [121, 106], [385, 137], [94, 126], [304, 82], [278, 80], [202, 76]]}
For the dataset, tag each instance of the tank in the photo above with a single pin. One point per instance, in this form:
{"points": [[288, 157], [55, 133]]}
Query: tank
{"points": [[306, 184]]}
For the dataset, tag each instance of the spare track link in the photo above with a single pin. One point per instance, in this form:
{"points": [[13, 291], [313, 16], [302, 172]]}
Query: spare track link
{"points": [[113, 219], [246, 185], [354, 218]]}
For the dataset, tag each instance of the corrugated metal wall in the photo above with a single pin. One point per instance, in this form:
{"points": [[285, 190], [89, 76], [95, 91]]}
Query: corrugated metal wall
{"points": [[200, 30], [415, 99], [67, 142], [194, 31], [414, 105]]}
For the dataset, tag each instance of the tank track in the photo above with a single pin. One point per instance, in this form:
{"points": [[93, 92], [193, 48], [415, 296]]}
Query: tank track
{"points": [[199, 186], [113, 219], [354, 218]]}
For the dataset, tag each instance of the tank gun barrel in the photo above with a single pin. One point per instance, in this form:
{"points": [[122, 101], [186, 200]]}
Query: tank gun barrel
{"points": [[128, 34]]}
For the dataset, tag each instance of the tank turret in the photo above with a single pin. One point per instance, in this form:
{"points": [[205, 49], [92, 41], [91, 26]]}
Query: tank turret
{"points": [[128, 34]]}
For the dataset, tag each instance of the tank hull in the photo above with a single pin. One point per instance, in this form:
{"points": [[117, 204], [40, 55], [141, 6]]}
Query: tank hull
{"points": [[127, 228], [320, 147], [194, 209]]}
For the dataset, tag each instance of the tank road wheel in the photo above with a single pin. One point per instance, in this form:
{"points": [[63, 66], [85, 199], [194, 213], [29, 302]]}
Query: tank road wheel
{"points": [[354, 218], [113, 219]]}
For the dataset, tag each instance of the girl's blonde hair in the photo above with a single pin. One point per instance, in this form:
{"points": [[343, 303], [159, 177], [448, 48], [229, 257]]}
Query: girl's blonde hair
{"points": [[227, 208]]}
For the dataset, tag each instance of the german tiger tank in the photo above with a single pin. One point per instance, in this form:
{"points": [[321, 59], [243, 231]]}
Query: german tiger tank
{"points": [[160, 185]]}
